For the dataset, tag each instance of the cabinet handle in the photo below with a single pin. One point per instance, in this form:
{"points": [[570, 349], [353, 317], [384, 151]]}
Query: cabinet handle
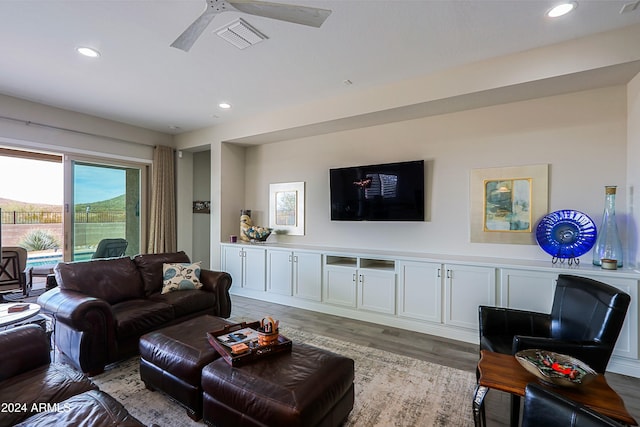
{"points": [[361, 278], [354, 277], [295, 259], [290, 258], [449, 274], [439, 272]]}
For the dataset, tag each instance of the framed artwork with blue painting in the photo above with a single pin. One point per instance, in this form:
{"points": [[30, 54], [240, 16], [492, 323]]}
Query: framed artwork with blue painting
{"points": [[506, 203]]}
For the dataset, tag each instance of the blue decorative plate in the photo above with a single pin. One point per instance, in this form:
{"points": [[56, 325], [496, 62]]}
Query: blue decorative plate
{"points": [[566, 234]]}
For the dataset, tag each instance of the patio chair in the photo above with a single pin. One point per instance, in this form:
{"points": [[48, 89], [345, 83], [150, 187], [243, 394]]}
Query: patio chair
{"points": [[110, 248], [14, 274]]}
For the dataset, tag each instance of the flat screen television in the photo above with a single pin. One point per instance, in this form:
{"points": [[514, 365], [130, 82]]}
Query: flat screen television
{"points": [[385, 192]]}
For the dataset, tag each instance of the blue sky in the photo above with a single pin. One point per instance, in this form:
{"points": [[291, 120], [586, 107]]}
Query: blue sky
{"points": [[42, 182], [94, 184]]}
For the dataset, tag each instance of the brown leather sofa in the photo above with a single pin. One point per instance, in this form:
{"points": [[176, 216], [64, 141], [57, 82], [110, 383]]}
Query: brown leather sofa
{"points": [[35, 392], [102, 307]]}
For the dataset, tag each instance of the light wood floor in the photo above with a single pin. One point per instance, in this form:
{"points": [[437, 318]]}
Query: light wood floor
{"points": [[433, 349]]}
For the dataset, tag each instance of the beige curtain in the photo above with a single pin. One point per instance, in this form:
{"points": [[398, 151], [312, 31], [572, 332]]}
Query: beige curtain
{"points": [[162, 221]]}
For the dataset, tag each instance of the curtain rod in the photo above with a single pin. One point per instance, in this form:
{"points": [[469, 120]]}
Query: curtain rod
{"points": [[78, 132]]}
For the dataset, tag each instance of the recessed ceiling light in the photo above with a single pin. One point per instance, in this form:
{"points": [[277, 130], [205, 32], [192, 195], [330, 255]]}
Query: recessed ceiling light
{"points": [[561, 9], [87, 51], [224, 105]]}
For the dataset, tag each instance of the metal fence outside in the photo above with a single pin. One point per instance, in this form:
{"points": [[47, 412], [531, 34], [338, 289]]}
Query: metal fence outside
{"points": [[15, 217]]}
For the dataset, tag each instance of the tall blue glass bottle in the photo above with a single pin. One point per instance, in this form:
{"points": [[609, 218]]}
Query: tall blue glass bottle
{"points": [[608, 244]]}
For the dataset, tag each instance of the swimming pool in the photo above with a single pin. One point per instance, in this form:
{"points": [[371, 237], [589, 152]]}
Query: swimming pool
{"points": [[38, 260]]}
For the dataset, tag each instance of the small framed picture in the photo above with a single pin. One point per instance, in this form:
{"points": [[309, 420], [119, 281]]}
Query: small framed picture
{"points": [[201, 207], [286, 208]]}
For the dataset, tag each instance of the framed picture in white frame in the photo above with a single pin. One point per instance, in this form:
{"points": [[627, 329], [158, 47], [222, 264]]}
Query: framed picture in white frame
{"points": [[286, 208]]}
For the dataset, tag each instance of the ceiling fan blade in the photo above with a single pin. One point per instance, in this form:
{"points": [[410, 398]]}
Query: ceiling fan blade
{"points": [[304, 15], [193, 32]]}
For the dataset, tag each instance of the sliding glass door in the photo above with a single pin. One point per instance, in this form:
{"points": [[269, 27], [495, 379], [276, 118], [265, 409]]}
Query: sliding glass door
{"points": [[104, 202]]}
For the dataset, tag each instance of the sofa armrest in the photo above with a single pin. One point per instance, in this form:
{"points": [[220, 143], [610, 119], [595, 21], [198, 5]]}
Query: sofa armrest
{"points": [[500, 321], [594, 354], [75, 309], [219, 283], [84, 328], [23, 349]]}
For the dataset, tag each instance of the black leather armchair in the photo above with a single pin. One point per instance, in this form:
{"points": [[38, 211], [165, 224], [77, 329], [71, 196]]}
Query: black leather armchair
{"points": [[585, 321], [543, 407]]}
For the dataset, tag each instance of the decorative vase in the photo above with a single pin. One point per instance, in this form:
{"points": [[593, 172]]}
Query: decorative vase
{"points": [[608, 246]]}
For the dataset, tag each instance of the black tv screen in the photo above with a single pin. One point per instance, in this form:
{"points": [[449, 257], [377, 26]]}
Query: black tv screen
{"points": [[385, 192]]}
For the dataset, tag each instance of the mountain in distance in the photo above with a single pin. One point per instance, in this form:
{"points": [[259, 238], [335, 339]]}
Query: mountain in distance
{"points": [[18, 206], [114, 204]]}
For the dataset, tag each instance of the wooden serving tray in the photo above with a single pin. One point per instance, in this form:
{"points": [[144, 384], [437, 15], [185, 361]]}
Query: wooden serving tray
{"points": [[255, 351]]}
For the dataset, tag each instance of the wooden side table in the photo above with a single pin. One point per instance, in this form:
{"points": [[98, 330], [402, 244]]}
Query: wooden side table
{"points": [[503, 372]]}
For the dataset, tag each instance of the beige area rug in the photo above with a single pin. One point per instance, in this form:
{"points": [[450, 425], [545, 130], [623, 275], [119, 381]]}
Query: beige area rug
{"points": [[390, 390]]}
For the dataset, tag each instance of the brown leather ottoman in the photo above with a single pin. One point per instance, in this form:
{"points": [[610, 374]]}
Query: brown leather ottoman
{"points": [[307, 387], [172, 358]]}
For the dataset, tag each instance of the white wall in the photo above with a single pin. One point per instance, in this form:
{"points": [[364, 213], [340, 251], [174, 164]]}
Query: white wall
{"points": [[69, 132], [202, 222], [582, 136], [633, 163]]}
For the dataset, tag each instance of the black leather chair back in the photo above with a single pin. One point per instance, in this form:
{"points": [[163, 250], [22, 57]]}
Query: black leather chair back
{"points": [[546, 408], [587, 310]]}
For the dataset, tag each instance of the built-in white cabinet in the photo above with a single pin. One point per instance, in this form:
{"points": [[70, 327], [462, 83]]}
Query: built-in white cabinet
{"points": [[295, 273], [527, 289], [340, 279], [466, 288], [438, 295], [246, 265], [363, 283], [377, 285], [420, 290]]}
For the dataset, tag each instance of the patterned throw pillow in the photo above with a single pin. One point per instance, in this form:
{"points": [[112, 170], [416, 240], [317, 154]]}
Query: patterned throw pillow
{"points": [[180, 276]]}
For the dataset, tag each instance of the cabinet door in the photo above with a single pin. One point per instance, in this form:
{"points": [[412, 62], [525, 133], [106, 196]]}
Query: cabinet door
{"points": [[420, 291], [377, 291], [232, 262], [466, 288], [279, 271], [340, 286], [254, 269], [527, 290], [307, 273]]}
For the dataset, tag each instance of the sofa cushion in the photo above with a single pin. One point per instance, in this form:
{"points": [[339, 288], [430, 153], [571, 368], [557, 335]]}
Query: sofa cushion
{"points": [[46, 384], [188, 302], [112, 279], [137, 317], [150, 268], [94, 406], [180, 276]]}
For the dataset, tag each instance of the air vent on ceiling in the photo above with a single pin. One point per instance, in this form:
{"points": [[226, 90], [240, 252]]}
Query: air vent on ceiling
{"points": [[240, 34]]}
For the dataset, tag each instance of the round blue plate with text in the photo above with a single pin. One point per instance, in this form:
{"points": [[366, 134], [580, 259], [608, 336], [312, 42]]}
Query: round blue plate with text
{"points": [[566, 233]]}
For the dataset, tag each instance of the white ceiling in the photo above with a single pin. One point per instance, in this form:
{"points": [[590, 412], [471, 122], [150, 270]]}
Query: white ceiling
{"points": [[139, 79]]}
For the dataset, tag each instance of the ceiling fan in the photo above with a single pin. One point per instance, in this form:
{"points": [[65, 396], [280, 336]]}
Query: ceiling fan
{"points": [[304, 15]]}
